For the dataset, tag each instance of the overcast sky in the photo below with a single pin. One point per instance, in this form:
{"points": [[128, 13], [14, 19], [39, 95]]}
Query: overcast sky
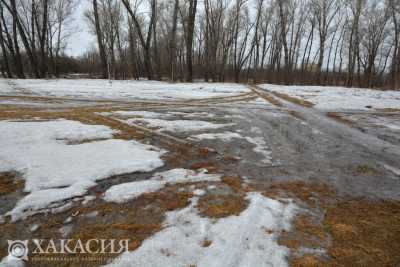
{"points": [[81, 39]]}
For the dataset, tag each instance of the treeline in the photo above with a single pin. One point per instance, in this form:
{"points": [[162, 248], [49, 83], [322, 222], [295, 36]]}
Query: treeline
{"points": [[327, 42]]}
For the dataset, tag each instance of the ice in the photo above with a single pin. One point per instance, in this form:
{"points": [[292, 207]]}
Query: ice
{"points": [[55, 170], [235, 241]]}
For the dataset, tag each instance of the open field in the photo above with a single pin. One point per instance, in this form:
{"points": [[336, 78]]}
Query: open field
{"points": [[201, 174]]}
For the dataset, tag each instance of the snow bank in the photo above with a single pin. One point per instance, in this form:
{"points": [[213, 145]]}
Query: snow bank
{"points": [[331, 98], [101, 89], [178, 125], [54, 170], [127, 191], [242, 240]]}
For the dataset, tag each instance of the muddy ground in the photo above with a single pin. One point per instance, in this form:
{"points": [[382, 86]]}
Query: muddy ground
{"points": [[339, 167]]}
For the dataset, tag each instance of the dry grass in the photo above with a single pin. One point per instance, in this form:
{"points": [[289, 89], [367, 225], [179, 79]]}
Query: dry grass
{"points": [[219, 206], [9, 183], [356, 232], [364, 233], [267, 97], [295, 100], [310, 193], [340, 118], [308, 261], [234, 182]]}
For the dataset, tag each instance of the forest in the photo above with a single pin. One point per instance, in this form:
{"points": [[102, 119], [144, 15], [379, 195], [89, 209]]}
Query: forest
{"points": [[353, 43]]}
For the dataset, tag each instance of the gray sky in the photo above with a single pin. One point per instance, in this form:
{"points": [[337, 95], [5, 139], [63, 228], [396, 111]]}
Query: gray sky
{"points": [[81, 39]]}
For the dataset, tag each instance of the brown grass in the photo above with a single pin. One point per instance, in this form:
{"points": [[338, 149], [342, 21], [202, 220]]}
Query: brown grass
{"points": [[310, 193], [364, 233], [295, 100], [308, 261], [219, 206], [356, 232], [9, 183], [340, 118], [234, 182]]}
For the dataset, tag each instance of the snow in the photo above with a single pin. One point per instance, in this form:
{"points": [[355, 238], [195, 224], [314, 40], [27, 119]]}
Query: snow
{"points": [[332, 98], [226, 136], [235, 241], [261, 148], [10, 261], [128, 191], [124, 90], [54, 170], [175, 176], [139, 113], [178, 125]]}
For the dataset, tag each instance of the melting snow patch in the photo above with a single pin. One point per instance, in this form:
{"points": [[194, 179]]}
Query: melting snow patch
{"points": [[124, 192], [235, 241], [226, 136], [140, 113], [101, 89], [325, 97], [127, 191], [261, 148], [55, 171], [178, 125]]}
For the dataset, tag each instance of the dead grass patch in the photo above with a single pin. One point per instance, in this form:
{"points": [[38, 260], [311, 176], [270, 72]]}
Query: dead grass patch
{"points": [[355, 232], [9, 183], [308, 261], [295, 100], [234, 182], [219, 206], [340, 118], [364, 233], [310, 193]]}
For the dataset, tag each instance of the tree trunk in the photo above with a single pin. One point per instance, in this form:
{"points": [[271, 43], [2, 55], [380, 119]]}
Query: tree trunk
{"points": [[103, 56], [189, 39]]}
